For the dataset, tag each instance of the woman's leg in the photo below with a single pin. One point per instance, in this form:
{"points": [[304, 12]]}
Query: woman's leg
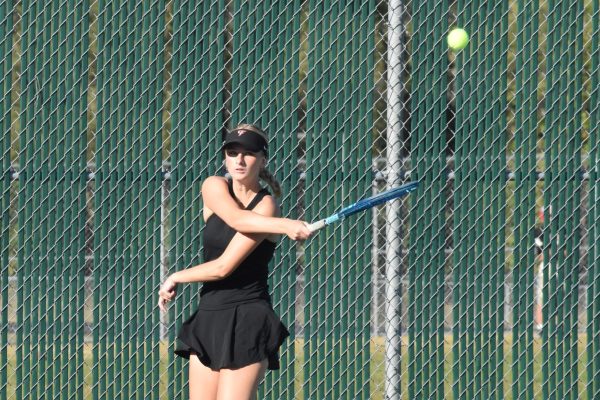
{"points": [[204, 382], [241, 383]]}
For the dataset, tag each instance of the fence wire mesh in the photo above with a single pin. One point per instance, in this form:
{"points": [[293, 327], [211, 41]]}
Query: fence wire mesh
{"points": [[483, 284]]}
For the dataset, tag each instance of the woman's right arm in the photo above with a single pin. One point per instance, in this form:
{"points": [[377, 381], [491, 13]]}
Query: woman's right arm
{"points": [[217, 198], [237, 250]]}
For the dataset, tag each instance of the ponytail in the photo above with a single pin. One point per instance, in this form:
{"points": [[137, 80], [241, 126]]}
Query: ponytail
{"points": [[270, 180]]}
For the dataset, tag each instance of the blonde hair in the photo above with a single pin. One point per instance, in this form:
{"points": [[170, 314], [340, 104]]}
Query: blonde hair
{"points": [[264, 173]]}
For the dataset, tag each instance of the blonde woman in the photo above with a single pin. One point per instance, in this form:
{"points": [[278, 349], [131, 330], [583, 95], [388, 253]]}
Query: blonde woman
{"points": [[234, 335]]}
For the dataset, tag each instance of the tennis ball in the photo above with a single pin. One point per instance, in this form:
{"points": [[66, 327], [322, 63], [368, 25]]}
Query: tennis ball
{"points": [[458, 39]]}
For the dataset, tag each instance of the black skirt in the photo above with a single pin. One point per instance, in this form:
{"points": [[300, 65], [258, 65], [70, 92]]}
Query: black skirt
{"points": [[233, 336]]}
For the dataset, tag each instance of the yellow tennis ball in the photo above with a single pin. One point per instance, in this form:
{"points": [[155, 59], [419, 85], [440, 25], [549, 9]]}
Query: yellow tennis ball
{"points": [[458, 39]]}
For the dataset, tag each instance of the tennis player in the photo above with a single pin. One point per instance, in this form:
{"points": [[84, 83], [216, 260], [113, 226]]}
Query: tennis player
{"points": [[234, 335]]}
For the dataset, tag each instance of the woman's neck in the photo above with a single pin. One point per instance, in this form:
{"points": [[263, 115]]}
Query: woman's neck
{"points": [[245, 191]]}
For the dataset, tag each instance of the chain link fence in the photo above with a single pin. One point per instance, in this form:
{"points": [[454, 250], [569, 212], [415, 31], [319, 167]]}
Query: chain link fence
{"points": [[483, 284]]}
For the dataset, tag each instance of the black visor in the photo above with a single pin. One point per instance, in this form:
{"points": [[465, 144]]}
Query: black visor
{"points": [[248, 139]]}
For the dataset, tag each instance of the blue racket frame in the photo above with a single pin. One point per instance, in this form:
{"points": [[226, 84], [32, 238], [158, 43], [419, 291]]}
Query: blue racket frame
{"points": [[365, 204]]}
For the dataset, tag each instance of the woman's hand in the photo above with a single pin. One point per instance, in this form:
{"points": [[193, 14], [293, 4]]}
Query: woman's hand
{"points": [[297, 230], [166, 293]]}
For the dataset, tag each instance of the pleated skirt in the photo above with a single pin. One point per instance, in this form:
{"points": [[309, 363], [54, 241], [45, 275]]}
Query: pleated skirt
{"points": [[233, 336]]}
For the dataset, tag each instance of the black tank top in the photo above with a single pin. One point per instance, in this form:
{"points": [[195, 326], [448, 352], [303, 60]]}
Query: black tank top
{"points": [[249, 281]]}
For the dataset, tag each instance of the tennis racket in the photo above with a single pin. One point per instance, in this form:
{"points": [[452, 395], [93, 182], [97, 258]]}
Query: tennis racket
{"points": [[365, 204]]}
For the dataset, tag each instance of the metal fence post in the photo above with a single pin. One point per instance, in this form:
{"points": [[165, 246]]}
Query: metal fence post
{"points": [[395, 87]]}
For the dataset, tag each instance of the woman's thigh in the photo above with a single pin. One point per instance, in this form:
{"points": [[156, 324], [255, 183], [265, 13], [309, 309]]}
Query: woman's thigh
{"points": [[241, 383], [204, 382]]}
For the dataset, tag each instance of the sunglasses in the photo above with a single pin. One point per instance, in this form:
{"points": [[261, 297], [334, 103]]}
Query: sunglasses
{"points": [[234, 153]]}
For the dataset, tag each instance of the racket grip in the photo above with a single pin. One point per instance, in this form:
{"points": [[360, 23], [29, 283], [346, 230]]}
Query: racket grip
{"points": [[316, 226]]}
